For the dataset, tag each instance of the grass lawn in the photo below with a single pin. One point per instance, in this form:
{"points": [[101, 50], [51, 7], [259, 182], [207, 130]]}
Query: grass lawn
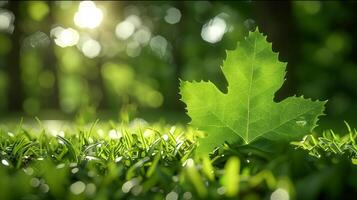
{"points": [[137, 160]]}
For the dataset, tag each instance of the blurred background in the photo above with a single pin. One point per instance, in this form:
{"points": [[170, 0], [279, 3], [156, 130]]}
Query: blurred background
{"points": [[120, 60]]}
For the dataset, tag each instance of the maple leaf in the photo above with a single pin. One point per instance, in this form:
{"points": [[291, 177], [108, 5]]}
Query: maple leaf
{"points": [[247, 111]]}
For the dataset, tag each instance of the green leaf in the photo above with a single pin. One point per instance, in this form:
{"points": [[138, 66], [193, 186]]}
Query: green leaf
{"points": [[247, 111], [231, 177]]}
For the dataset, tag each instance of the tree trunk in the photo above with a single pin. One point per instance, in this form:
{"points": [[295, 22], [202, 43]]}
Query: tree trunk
{"points": [[16, 95], [275, 19]]}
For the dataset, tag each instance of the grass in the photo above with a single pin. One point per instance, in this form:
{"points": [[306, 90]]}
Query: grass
{"points": [[137, 160]]}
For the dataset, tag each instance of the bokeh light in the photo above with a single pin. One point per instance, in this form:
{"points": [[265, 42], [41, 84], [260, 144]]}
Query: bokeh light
{"points": [[88, 15], [6, 21], [38, 10], [65, 37], [124, 30], [133, 49], [214, 30], [173, 15], [91, 48], [142, 35], [159, 45]]}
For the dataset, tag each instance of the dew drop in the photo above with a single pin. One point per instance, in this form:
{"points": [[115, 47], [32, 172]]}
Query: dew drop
{"points": [[5, 162]]}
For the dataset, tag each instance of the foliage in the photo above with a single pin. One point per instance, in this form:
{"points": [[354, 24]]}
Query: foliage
{"points": [[331, 145], [112, 161], [151, 161], [247, 112], [317, 38]]}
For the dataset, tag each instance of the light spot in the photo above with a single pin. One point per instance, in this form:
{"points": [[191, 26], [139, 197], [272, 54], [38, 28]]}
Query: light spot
{"points": [[77, 187], [60, 166], [280, 194], [44, 188], [88, 15], [90, 189], [29, 171], [124, 30], [56, 133], [173, 15], [74, 170], [221, 190], [189, 163], [5, 162], [134, 19], [165, 137], [171, 196], [118, 159], [137, 123], [114, 134], [175, 178], [37, 39], [6, 21], [91, 48], [142, 36], [35, 182], [187, 195], [214, 30], [133, 49], [127, 186], [73, 164], [91, 158], [65, 37], [10, 134], [148, 133], [91, 173], [159, 45], [137, 189], [172, 129]]}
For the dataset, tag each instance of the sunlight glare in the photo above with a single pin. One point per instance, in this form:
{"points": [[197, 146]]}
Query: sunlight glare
{"points": [[88, 15]]}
